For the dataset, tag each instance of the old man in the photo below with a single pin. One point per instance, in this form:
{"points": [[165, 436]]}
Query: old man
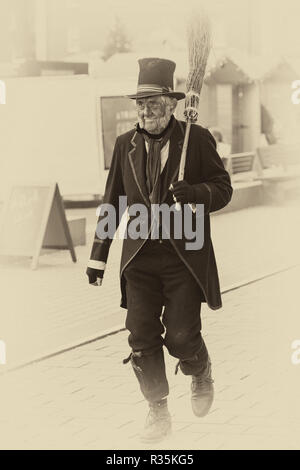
{"points": [[163, 283]]}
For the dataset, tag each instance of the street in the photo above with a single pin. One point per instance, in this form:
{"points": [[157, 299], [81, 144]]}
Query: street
{"points": [[87, 399], [54, 308]]}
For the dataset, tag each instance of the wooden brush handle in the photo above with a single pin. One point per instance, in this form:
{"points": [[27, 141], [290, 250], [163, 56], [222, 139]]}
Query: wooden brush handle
{"points": [[183, 157]]}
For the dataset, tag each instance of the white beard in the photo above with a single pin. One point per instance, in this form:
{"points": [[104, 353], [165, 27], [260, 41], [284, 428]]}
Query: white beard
{"points": [[157, 125]]}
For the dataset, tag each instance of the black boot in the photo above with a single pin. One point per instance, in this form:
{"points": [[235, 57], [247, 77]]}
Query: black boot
{"points": [[158, 422], [149, 368], [202, 391]]}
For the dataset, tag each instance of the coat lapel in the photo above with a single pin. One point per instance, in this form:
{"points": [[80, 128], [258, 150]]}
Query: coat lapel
{"points": [[172, 169], [136, 157]]}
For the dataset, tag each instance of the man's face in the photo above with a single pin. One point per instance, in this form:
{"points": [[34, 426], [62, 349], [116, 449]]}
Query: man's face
{"points": [[154, 113]]}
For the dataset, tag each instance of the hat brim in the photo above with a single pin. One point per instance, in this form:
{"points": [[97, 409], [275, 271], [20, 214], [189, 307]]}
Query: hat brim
{"points": [[173, 94]]}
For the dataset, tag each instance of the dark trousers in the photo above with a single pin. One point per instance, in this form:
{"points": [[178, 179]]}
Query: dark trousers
{"points": [[157, 278]]}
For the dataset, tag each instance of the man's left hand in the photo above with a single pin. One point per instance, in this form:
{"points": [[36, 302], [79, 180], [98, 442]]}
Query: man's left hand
{"points": [[183, 192]]}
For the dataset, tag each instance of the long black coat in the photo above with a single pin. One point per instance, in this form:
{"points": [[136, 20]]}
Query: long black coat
{"points": [[204, 169]]}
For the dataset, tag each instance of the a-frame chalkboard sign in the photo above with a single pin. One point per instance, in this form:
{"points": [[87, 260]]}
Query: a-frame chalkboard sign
{"points": [[34, 218]]}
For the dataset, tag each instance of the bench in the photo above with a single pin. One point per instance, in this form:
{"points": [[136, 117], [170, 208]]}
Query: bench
{"points": [[242, 166], [243, 169], [279, 162]]}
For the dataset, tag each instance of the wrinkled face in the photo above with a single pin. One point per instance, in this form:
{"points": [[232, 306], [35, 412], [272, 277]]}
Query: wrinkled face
{"points": [[154, 113]]}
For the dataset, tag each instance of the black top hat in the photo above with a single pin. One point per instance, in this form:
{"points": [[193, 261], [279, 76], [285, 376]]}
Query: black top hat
{"points": [[156, 78]]}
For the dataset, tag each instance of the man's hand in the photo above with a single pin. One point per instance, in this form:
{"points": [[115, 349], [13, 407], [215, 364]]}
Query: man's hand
{"points": [[95, 276], [183, 192]]}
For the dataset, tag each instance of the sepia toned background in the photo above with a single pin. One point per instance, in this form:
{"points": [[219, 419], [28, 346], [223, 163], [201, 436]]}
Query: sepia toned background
{"points": [[65, 66]]}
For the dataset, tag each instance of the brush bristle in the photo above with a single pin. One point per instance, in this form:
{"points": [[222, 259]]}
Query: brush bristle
{"points": [[199, 44]]}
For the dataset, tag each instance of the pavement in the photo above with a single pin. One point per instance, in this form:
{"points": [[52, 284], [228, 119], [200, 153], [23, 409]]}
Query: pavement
{"points": [[87, 399], [54, 307]]}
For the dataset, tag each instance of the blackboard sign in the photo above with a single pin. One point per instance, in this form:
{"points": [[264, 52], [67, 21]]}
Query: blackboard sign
{"points": [[34, 218], [118, 115]]}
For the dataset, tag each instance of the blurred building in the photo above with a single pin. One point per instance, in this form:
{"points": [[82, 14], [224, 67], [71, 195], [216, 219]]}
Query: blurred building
{"points": [[48, 30], [276, 97], [246, 93], [56, 29], [17, 30]]}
